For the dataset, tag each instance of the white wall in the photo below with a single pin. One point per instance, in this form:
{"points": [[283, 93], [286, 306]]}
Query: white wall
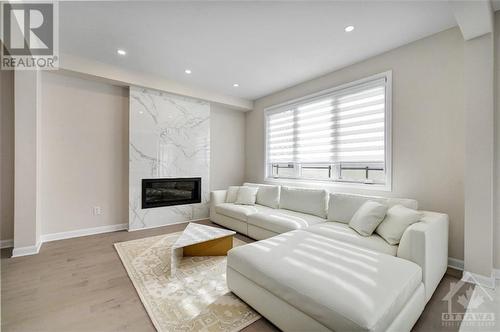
{"points": [[227, 146], [27, 161], [84, 153], [479, 156], [7, 154], [428, 124], [496, 202]]}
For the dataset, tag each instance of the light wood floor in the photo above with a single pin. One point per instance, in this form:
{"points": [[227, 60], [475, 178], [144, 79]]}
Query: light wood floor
{"points": [[80, 285]]}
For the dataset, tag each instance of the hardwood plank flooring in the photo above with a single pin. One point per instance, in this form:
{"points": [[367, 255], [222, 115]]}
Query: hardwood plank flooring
{"points": [[80, 285]]}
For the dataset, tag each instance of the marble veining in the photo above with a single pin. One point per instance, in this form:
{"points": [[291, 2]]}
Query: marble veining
{"points": [[169, 137]]}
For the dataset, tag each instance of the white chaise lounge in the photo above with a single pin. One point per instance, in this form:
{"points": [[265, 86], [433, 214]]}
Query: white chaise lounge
{"points": [[312, 272]]}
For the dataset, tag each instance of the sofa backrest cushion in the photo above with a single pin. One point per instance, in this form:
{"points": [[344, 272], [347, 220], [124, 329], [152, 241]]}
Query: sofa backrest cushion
{"points": [[342, 207], [311, 201], [268, 195]]}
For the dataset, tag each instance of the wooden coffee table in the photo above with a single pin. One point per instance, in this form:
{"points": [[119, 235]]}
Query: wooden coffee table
{"points": [[200, 240]]}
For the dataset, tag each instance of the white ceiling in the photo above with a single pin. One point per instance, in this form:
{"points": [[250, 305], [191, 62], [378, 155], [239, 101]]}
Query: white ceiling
{"points": [[263, 46]]}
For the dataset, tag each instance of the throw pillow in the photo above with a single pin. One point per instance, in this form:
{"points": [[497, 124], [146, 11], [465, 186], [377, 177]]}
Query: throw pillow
{"points": [[398, 219], [268, 195], [247, 195], [368, 217], [232, 194]]}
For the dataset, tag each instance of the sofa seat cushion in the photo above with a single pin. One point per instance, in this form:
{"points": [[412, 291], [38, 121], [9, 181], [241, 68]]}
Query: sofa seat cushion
{"points": [[240, 212], [281, 221], [339, 285], [342, 232]]}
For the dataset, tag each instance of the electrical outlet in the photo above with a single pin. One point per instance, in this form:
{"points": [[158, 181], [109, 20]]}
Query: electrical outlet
{"points": [[96, 211]]}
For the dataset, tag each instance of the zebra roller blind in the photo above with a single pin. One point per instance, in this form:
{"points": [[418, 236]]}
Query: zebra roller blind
{"points": [[345, 126]]}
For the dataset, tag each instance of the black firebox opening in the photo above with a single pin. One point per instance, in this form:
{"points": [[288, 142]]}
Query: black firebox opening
{"points": [[170, 191]]}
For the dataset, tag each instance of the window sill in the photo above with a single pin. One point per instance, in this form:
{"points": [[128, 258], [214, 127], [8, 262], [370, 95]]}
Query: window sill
{"points": [[330, 184]]}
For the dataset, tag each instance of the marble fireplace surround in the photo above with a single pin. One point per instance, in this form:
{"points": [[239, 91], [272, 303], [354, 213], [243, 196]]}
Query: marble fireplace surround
{"points": [[169, 136]]}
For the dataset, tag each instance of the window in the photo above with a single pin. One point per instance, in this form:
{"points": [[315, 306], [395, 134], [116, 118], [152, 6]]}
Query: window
{"points": [[339, 135]]}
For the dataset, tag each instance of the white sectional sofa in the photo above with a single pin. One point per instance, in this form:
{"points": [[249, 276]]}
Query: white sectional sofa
{"points": [[312, 272]]}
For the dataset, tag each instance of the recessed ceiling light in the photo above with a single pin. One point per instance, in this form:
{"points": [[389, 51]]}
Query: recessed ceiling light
{"points": [[348, 28], [236, 85], [187, 71], [121, 52]]}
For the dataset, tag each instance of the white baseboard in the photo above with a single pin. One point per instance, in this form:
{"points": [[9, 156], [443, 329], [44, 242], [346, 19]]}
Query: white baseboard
{"points": [[455, 263], [458, 264], [6, 243], [478, 279], [32, 250], [83, 232], [174, 223], [26, 251]]}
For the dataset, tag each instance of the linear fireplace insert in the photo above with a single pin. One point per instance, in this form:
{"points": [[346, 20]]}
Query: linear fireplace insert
{"points": [[170, 191]]}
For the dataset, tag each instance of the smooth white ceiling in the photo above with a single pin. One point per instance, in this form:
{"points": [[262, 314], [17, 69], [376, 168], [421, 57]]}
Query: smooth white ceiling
{"points": [[263, 46]]}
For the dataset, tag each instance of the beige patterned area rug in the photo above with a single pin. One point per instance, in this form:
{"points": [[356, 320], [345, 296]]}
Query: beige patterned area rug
{"points": [[195, 299]]}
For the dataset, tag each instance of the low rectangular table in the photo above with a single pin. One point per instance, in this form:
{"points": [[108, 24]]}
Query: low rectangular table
{"points": [[201, 240]]}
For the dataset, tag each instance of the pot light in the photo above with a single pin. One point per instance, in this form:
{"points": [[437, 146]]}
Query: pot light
{"points": [[187, 71], [121, 52], [236, 85], [349, 28]]}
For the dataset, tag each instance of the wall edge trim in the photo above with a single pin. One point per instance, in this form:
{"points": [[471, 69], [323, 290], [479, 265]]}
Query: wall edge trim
{"points": [[8, 243], [83, 232]]}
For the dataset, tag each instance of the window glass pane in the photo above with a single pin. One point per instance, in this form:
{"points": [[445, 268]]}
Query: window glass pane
{"points": [[286, 172], [320, 173], [283, 170], [377, 176], [353, 175]]}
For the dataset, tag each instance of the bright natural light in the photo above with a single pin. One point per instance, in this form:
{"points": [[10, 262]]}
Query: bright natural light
{"points": [[343, 131]]}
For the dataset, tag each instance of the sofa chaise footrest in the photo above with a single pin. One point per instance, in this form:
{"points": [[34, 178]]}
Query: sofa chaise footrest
{"points": [[336, 285]]}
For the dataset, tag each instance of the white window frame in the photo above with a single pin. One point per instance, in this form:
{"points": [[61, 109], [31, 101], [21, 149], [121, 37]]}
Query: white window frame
{"points": [[339, 184]]}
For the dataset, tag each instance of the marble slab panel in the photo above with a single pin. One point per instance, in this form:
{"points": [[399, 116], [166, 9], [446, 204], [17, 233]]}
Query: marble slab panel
{"points": [[169, 136]]}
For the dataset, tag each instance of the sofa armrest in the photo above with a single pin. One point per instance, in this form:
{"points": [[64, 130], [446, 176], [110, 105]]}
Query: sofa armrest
{"points": [[426, 244], [216, 197]]}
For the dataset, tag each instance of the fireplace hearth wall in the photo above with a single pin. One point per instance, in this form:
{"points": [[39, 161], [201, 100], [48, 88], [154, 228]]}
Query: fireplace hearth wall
{"points": [[169, 138]]}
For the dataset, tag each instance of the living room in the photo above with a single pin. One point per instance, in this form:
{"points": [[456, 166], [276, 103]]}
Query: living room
{"points": [[250, 165]]}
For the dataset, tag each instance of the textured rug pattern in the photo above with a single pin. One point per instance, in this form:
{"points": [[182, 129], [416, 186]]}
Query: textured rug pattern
{"points": [[196, 298]]}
